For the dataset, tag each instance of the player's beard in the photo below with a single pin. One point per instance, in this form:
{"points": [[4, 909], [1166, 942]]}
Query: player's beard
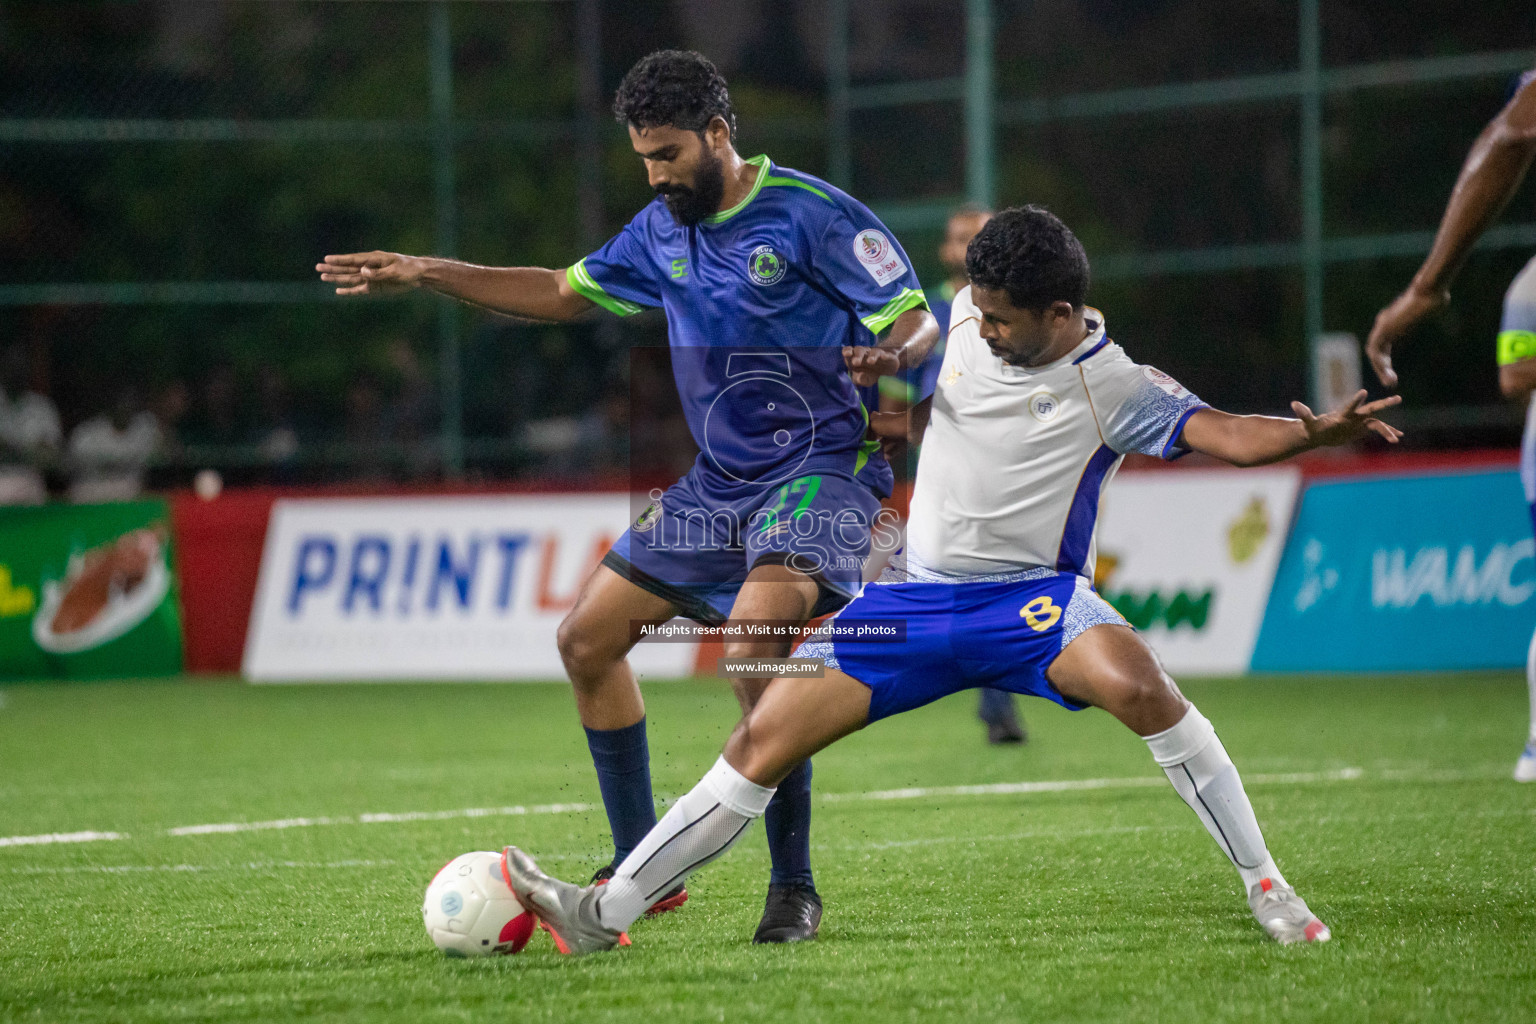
{"points": [[689, 206]]}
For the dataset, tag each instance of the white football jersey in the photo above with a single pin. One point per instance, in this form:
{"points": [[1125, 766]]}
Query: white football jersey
{"points": [[1520, 317], [1015, 459]]}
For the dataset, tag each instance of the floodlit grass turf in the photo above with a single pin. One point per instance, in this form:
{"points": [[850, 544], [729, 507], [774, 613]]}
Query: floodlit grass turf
{"points": [[1101, 905]]}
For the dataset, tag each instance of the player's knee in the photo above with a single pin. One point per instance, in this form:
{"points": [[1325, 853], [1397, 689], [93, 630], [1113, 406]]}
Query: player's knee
{"points": [[758, 750], [1129, 688], [1140, 691], [744, 750], [582, 651]]}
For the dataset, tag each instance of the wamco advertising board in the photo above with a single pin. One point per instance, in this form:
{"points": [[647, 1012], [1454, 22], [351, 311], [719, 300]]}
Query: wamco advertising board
{"points": [[431, 588], [1405, 573]]}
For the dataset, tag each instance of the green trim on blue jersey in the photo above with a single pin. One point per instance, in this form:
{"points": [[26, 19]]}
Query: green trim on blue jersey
{"points": [[585, 286], [1516, 346], [870, 445], [761, 163], [772, 180], [895, 387], [908, 298]]}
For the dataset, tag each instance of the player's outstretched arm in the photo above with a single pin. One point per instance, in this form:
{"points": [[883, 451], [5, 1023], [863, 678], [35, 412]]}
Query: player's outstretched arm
{"points": [[532, 292], [1261, 440], [1489, 178]]}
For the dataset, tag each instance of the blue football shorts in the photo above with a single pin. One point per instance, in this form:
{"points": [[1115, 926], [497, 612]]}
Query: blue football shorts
{"points": [[695, 544], [1001, 632]]}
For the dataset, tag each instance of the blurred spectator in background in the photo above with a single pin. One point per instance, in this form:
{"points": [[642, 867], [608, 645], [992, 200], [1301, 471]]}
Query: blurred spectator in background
{"points": [[30, 431], [594, 443], [170, 405], [366, 432], [277, 431], [110, 454], [411, 411], [661, 447], [215, 418], [604, 437]]}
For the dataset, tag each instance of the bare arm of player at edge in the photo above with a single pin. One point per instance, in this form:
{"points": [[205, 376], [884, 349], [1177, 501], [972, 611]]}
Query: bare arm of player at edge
{"points": [[672, 157], [1489, 179]]}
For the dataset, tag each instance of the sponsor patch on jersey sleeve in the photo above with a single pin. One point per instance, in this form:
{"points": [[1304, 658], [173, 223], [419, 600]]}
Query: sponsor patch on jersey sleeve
{"points": [[1164, 381], [878, 256]]}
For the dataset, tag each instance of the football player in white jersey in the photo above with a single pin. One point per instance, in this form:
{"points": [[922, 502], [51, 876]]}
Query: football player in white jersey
{"points": [[1034, 410]]}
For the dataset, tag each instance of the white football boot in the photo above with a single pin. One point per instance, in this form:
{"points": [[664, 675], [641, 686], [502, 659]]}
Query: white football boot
{"points": [[568, 912], [1525, 768], [1285, 915]]}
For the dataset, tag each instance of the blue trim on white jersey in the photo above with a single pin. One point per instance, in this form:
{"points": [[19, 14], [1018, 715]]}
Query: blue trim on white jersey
{"points": [[1077, 536], [1173, 446], [1090, 353]]}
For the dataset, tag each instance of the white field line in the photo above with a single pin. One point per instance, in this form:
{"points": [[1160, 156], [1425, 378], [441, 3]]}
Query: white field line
{"points": [[382, 817], [1071, 785], [879, 795], [60, 837], [254, 826], [255, 865]]}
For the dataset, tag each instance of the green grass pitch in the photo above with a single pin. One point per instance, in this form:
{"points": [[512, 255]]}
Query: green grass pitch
{"points": [[1386, 800]]}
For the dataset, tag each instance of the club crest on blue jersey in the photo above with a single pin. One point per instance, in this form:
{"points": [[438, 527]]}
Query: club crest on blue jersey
{"points": [[765, 266]]}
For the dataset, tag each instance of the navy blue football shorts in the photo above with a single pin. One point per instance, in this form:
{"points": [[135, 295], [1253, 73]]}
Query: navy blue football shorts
{"points": [[695, 544]]}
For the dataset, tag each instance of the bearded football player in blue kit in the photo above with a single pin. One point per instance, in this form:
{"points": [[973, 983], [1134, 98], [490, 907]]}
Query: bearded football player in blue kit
{"points": [[782, 295]]}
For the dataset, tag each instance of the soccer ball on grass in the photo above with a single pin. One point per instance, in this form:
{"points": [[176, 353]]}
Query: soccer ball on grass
{"points": [[469, 911]]}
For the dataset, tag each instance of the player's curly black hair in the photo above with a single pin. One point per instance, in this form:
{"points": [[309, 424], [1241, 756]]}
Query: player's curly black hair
{"points": [[676, 88], [1031, 254]]}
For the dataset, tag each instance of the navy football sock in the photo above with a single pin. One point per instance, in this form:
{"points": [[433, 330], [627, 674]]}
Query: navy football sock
{"points": [[623, 762], [788, 822], [995, 706]]}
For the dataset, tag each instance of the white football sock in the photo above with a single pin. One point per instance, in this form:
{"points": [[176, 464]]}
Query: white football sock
{"points": [[699, 827], [1530, 681], [1199, 768]]}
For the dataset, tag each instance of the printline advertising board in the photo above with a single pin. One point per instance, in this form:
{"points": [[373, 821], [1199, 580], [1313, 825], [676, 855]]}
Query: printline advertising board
{"points": [[468, 588]]}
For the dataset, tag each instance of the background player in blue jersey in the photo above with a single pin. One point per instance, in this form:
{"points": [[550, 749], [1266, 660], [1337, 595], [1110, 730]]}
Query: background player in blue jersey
{"points": [[1489, 179], [782, 294], [997, 709]]}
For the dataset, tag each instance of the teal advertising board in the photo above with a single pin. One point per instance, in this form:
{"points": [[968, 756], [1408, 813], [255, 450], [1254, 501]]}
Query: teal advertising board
{"points": [[1403, 574]]}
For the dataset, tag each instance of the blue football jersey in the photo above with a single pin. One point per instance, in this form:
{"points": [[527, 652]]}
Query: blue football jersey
{"points": [[760, 300]]}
